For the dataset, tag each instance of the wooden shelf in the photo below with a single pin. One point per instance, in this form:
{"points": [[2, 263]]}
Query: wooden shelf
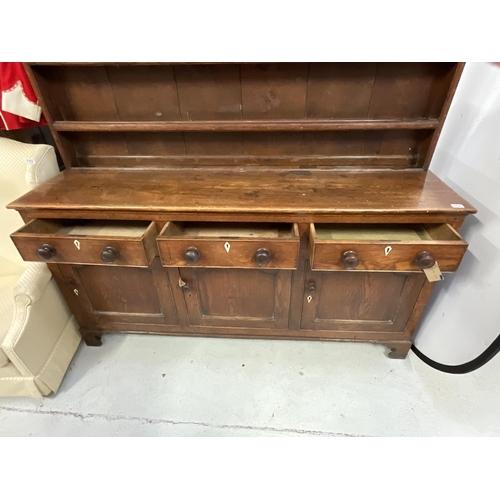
{"points": [[244, 125], [128, 63]]}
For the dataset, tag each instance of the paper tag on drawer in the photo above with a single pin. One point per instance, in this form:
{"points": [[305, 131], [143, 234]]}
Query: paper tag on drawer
{"points": [[434, 273]]}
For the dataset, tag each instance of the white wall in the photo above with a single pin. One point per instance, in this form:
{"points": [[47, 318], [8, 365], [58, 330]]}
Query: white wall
{"points": [[463, 315]]}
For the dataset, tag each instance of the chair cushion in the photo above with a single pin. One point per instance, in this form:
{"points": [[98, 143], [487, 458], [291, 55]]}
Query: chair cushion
{"points": [[8, 372], [7, 284], [4, 360], [33, 281], [10, 268], [22, 167]]}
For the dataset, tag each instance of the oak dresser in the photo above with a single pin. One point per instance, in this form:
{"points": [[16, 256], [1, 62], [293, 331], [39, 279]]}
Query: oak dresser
{"points": [[280, 201]]}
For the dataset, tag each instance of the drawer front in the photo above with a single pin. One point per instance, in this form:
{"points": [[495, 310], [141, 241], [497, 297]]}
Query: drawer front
{"points": [[97, 243], [268, 253], [440, 243]]}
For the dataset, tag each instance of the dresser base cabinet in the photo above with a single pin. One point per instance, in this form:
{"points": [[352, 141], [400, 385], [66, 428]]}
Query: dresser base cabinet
{"points": [[283, 201], [381, 307]]}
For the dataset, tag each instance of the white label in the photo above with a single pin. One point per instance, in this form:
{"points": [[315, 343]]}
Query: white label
{"points": [[457, 205], [434, 273]]}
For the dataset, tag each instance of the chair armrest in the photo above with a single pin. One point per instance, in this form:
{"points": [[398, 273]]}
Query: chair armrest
{"points": [[33, 281], [43, 168], [36, 329]]}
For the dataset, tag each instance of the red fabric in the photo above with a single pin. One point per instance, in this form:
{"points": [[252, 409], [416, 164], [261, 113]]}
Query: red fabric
{"points": [[10, 74]]}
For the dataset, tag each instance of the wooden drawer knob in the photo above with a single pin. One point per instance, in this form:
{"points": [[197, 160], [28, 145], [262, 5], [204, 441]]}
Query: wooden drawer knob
{"points": [[425, 260], [46, 252], [350, 259], [110, 254], [192, 255], [262, 257]]}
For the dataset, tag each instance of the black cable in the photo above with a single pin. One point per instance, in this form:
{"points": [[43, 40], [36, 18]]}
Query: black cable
{"points": [[468, 367]]}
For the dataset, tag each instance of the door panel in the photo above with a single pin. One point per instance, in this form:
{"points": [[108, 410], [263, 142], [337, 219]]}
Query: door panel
{"points": [[359, 301], [237, 297], [105, 295]]}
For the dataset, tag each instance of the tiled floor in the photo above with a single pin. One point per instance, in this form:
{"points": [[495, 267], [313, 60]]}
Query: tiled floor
{"points": [[139, 385]]}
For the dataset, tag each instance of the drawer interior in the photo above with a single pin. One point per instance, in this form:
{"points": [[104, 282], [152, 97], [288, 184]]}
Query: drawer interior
{"points": [[229, 230], [385, 232], [98, 228]]}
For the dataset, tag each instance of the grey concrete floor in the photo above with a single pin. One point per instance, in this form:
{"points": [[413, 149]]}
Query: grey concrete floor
{"points": [[141, 385]]}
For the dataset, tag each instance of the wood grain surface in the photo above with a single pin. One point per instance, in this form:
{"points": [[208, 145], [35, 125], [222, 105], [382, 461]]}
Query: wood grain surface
{"points": [[223, 191], [242, 125], [444, 244], [182, 147], [359, 301], [229, 250], [246, 113], [137, 251]]}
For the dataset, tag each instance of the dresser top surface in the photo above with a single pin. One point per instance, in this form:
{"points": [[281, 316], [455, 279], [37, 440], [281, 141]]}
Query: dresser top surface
{"points": [[246, 191]]}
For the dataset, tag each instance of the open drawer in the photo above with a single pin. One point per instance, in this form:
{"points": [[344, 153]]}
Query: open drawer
{"points": [[207, 244], [121, 243], [385, 247]]}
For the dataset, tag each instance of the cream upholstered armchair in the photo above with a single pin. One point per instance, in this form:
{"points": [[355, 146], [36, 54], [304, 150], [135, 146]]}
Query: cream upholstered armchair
{"points": [[38, 334]]}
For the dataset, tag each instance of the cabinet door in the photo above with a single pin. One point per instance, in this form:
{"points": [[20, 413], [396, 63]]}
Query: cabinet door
{"points": [[359, 301], [247, 298], [103, 296]]}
